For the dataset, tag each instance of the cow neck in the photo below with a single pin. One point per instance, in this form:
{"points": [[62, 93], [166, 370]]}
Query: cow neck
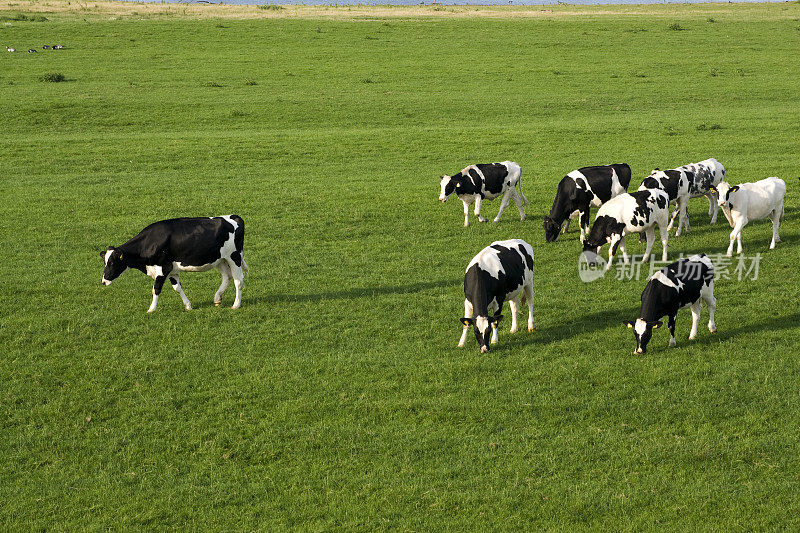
{"points": [[479, 296], [558, 211], [131, 257]]}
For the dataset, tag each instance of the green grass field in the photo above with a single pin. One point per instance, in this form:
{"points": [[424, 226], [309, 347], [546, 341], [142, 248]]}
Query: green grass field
{"points": [[336, 398]]}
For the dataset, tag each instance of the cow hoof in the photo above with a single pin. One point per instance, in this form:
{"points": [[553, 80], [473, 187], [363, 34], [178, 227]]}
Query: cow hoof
{"points": [[691, 338], [673, 343], [495, 221], [712, 331], [522, 219], [530, 329], [236, 306], [216, 304], [188, 307], [513, 330], [151, 311]]}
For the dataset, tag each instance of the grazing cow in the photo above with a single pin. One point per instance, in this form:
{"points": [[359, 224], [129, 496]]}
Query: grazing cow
{"points": [[684, 282], [485, 181], [501, 271], [752, 201], [164, 249], [31, 51], [580, 189], [634, 212]]}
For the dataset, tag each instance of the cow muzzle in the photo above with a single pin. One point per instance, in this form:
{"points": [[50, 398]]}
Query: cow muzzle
{"points": [[484, 349], [105, 282]]}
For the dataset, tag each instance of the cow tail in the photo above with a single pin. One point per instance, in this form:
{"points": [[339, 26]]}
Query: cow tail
{"points": [[519, 186], [238, 241]]}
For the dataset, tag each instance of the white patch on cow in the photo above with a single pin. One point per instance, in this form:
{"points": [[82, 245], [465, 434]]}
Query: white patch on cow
{"points": [[640, 327], [664, 280], [154, 271], [108, 254], [482, 323], [696, 258], [443, 184]]}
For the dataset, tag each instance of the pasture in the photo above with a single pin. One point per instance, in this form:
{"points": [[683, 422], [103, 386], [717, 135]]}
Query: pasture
{"points": [[336, 398]]}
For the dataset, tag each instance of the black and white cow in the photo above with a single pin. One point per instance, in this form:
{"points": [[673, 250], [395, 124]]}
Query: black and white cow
{"points": [[634, 212], [685, 182], [164, 249], [580, 189], [485, 182], [703, 178], [683, 283], [501, 271]]}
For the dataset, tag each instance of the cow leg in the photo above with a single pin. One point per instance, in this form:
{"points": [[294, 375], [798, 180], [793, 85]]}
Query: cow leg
{"points": [[736, 234], [679, 208], [674, 214], [503, 204], [467, 314], [494, 334], [238, 281], [225, 270], [612, 248], [466, 212], [671, 326], [707, 294], [776, 224], [478, 203], [518, 201], [176, 284], [157, 286], [623, 246], [650, 236], [696, 307], [664, 238], [566, 225], [713, 206], [584, 222], [514, 305], [528, 290]]}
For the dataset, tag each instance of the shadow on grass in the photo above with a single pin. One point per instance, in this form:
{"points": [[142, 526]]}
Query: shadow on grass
{"points": [[582, 325], [357, 292], [723, 333]]}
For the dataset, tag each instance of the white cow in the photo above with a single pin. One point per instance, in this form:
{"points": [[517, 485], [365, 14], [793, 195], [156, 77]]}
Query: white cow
{"points": [[752, 201]]}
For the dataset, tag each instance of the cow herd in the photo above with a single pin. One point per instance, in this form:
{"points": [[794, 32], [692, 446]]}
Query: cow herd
{"points": [[503, 271]]}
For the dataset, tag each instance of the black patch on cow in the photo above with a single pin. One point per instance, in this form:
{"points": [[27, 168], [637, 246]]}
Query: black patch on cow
{"points": [[577, 194], [189, 241], [237, 258], [603, 228], [494, 175], [642, 211], [669, 182]]}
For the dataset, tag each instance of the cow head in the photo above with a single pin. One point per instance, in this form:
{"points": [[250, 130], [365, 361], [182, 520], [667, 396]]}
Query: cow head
{"points": [[551, 229], [115, 264], [642, 330], [449, 185], [482, 326], [724, 190]]}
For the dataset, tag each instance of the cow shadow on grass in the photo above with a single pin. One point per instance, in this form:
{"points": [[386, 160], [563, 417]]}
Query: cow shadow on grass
{"points": [[723, 333], [358, 292], [582, 325]]}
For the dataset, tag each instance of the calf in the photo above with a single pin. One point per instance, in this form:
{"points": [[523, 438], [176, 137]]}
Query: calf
{"points": [[582, 188], [675, 183], [684, 282], [164, 249], [630, 213], [501, 271], [752, 201], [485, 181]]}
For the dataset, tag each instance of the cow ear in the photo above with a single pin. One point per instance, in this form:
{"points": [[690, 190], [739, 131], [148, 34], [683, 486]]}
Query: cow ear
{"points": [[628, 323], [467, 321], [496, 319], [733, 189], [657, 324], [712, 189]]}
